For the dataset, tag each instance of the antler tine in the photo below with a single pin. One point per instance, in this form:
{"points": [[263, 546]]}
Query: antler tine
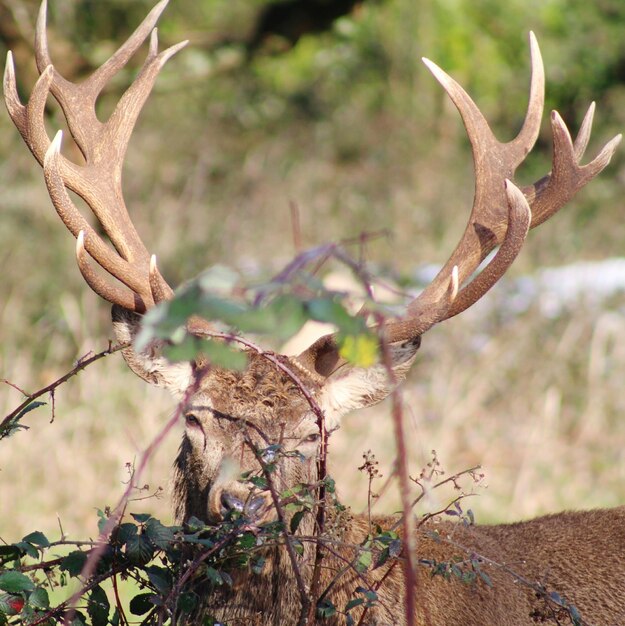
{"points": [[494, 163], [103, 146], [567, 177], [519, 220], [501, 212], [105, 289]]}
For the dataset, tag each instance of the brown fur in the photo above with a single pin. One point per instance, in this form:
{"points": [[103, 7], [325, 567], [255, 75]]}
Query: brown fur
{"points": [[579, 555]]}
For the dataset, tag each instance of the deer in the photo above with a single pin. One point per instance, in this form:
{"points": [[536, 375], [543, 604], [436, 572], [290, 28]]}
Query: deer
{"points": [[282, 404]]}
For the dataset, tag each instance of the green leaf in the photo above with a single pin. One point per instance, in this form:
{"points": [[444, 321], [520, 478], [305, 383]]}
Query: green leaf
{"points": [[214, 576], [325, 608], [10, 553], [485, 577], [141, 518], [79, 619], [74, 562], [124, 532], [298, 546], [27, 409], [354, 602], [38, 538], [141, 603], [39, 599], [160, 578], [14, 582], [98, 607], [246, 541], [187, 602], [361, 350], [161, 536], [296, 519], [28, 548], [364, 561], [258, 481], [102, 521], [139, 549]]}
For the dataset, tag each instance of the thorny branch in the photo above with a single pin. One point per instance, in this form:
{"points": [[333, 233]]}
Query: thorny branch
{"points": [[81, 364]]}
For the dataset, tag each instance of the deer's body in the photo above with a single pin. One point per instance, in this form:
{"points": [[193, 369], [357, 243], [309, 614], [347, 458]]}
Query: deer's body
{"points": [[578, 555], [280, 410]]}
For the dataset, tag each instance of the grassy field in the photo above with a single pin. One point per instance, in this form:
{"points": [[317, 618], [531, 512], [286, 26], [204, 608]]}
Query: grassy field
{"points": [[536, 401]]}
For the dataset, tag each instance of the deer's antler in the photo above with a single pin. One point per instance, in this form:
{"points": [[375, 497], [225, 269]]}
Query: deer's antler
{"points": [[501, 215], [103, 145]]}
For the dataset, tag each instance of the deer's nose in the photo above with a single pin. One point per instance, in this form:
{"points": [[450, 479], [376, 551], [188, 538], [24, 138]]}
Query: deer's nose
{"points": [[249, 507]]}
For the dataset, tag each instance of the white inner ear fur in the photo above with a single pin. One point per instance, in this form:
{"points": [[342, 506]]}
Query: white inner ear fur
{"points": [[351, 387]]}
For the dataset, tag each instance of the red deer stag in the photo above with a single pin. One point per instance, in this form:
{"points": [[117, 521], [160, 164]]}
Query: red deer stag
{"points": [[231, 415]]}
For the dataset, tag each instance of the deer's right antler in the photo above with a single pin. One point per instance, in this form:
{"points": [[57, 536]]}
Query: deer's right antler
{"points": [[103, 145]]}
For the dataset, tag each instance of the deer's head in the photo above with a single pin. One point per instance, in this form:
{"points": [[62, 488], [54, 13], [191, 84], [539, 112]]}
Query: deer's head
{"points": [[235, 420]]}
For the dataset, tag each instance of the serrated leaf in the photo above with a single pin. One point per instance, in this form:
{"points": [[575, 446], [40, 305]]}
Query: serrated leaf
{"points": [[329, 484], [160, 578], [194, 524], [139, 549], [141, 603], [187, 350], [556, 597], [328, 310], [37, 538], [218, 279], [28, 548], [74, 562], [125, 531], [14, 582], [371, 595], [161, 536], [39, 599], [98, 607]]}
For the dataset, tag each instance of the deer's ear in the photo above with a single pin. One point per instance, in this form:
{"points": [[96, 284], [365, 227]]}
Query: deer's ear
{"points": [[350, 387], [150, 365]]}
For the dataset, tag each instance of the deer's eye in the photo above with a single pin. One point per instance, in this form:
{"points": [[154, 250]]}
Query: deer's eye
{"points": [[313, 438], [192, 420]]}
